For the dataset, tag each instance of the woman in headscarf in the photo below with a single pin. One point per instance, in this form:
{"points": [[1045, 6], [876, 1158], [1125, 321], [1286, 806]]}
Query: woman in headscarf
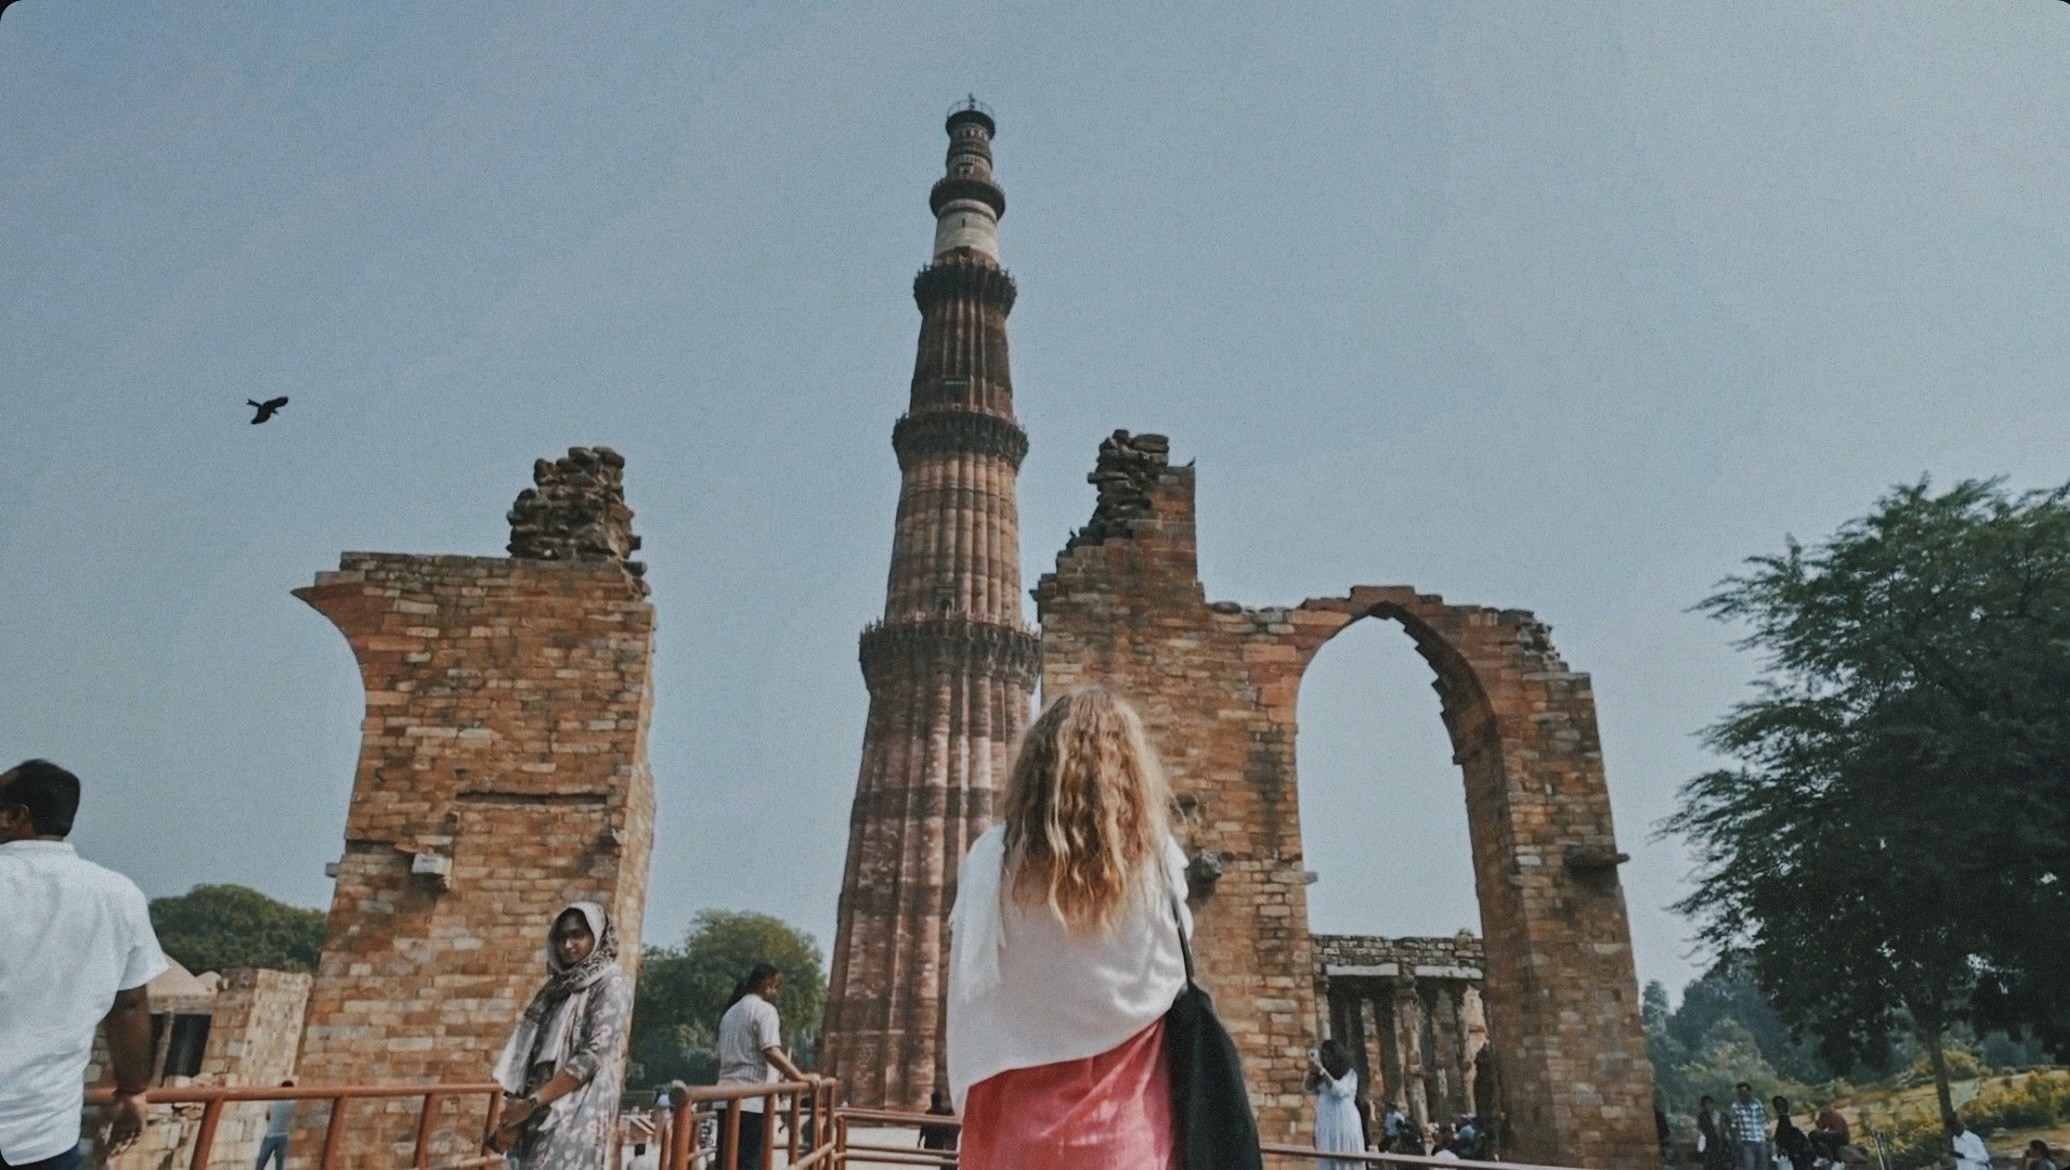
{"points": [[564, 1064]]}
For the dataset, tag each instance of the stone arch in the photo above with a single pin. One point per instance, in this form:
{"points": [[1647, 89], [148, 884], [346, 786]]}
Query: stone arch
{"points": [[1407, 998], [1217, 684], [1524, 736]]}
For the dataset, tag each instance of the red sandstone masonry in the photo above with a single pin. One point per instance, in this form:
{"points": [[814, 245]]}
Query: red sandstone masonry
{"points": [[1217, 685], [502, 774], [950, 670]]}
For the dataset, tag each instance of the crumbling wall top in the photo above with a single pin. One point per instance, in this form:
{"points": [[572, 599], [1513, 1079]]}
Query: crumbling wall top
{"points": [[576, 511], [1128, 468]]}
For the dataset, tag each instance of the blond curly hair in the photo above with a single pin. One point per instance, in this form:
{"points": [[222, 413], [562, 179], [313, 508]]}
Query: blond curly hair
{"points": [[1085, 809]]}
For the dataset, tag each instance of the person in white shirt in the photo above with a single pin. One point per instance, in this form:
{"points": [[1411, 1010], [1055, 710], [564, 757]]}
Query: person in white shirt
{"points": [[1970, 1152], [1064, 953], [751, 1053], [76, 949]]}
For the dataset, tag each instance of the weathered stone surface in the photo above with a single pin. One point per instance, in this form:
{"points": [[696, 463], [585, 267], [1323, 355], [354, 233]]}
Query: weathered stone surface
{"points": [[575, 510], [1217, 686], [254, 1030], [950, 670], [502, 774]]}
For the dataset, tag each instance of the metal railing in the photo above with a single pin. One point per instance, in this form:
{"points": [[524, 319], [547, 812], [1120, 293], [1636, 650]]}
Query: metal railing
{"points": [[883, 1155], [799, 1120], [213, 1099], [810, 1128]]}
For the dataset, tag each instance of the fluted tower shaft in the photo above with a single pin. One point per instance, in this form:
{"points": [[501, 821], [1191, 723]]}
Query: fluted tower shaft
{"points": [[951, 668]]}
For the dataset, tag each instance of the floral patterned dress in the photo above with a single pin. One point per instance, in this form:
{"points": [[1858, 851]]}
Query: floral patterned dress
{"points": [[580, 1128]]}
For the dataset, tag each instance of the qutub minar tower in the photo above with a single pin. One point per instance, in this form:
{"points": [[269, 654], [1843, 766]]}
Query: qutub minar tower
{"points": [[952, 666]]}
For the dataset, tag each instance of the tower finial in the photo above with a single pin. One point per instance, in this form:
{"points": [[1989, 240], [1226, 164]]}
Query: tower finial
{"points": [[967, 202]]}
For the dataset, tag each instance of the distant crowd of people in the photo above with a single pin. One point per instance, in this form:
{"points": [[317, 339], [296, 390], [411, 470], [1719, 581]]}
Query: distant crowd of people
{"points": [[1749, 1135], [1739, 1136]]}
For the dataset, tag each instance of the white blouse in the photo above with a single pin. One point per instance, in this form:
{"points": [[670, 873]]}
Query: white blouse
{"points": [[1027, 990]]}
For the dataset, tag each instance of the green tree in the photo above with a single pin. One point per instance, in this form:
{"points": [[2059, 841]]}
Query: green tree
{"points": [[215, 928], [1728, 991], [1668, 1055], [1893, 846], [683, 991]]}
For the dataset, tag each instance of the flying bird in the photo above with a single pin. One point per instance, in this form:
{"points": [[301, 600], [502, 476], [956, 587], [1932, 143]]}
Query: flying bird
{"points": [[266, 409]]}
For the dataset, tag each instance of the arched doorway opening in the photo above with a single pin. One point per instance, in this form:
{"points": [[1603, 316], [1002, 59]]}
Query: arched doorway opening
{"points": [[1392, 902], [1383, 812]]}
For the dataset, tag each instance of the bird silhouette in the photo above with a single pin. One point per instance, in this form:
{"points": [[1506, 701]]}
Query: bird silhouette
{"points": [[266, 409]]}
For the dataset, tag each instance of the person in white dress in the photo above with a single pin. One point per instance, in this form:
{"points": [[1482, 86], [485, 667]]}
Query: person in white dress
{"points": [[1334, 1083]]}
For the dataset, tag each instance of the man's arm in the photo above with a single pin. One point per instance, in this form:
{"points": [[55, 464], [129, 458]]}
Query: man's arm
{"points": [[774, 1054], [769, 1030], [128, 1027]]}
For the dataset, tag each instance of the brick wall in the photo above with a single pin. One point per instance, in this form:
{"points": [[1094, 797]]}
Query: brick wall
{"points": [[254, 1040], [1217, 685], [255, 1028], [502, 774]]}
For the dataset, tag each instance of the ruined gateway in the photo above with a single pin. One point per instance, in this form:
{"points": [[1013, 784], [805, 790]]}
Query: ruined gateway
{"points": [[949, 670], [1217, 685], [508, 701]]}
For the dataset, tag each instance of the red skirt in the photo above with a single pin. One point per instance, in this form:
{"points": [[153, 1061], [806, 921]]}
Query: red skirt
{"points": [[1107, 1112]]}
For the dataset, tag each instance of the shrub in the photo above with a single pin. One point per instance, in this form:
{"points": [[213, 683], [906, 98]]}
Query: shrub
{"points": [[1914, 1140], [2035, 1100]]}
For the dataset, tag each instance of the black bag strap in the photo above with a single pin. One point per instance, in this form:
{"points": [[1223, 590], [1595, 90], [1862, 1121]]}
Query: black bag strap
{"points": [[1185, 948]]}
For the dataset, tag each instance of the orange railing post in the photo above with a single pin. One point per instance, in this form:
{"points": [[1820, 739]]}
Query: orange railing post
{"points": [[205, 1139], [332, 1135], [495, 1115], [794, 1126], [420, 1158], [768, 1123], [729, 1137], [682, 1134]]}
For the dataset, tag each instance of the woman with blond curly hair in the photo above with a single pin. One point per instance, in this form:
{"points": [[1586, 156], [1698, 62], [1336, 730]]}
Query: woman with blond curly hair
{"points": [[1065, 953]]}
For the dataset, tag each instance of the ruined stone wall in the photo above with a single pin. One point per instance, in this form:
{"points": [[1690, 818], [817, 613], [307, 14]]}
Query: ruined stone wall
{"points": [[1125, 608], [255, 1029], [503, 774], [254, 1040], [1218, 685]]}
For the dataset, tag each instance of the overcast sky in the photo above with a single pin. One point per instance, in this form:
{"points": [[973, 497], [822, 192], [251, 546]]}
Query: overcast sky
{"points": [[1557, 307]]}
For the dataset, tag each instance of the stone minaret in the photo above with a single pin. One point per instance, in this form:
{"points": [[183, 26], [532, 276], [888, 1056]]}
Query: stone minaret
{"points": [[952, 665]]}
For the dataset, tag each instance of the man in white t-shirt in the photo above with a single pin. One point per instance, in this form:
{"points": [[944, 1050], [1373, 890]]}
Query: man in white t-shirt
{"points": [[76, 949], [1968, 1147], [751, 1053]]}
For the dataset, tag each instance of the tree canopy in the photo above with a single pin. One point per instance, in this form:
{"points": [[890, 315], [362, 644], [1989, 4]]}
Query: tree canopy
{"points": [[684, 990], [1893, 844], [215, 928]]}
